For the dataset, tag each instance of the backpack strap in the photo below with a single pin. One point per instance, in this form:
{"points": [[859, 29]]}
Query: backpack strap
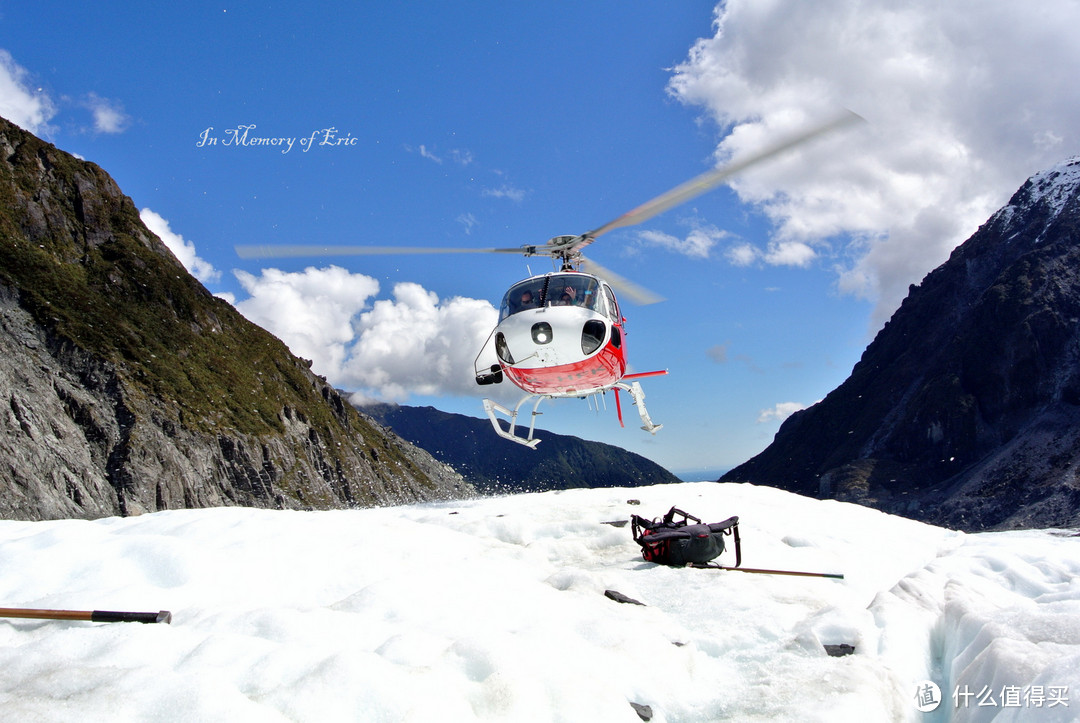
{"points": [[730, 526], [652, 550], [669, 518]]}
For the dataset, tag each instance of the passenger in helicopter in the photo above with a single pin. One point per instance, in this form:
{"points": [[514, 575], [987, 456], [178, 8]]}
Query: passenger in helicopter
{"points": [[568, 297]]}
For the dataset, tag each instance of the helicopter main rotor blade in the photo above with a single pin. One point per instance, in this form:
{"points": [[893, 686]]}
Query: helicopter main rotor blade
{"points": [[299, 250], [711, 179], [626, 288]]}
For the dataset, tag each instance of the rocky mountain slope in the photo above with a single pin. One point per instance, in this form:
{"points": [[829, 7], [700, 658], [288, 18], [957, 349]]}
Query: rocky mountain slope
{"points": [[965, 409], [492, 464], [127, 387]]}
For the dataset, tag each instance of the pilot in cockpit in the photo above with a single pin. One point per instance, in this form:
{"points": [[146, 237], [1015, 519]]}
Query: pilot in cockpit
{"points": [[527, 301]]}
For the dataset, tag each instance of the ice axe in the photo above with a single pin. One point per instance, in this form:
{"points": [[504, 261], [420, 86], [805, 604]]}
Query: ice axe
{"points": [[738, 562], [835, 575], [93, 616]]}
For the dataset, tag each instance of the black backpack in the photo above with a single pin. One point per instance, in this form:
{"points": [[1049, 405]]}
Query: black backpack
{"points": [[677, 542]]}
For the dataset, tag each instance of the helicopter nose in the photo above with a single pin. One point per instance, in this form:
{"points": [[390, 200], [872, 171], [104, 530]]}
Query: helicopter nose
{"points": [[542, 333]]}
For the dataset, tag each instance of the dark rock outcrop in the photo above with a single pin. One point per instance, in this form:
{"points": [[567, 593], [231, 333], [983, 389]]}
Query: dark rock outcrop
{"points": [[965, 409], [492, 464], [127, 387]]}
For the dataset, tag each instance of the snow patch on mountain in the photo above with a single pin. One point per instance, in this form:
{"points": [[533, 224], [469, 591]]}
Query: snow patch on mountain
{"points": [[1056, 185], [1052, 187]]}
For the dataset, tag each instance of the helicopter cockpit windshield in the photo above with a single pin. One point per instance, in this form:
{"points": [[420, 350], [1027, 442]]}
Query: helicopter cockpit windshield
{"points": [[551, 290]]}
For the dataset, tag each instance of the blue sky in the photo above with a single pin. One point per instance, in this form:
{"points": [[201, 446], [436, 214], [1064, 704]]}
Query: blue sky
{"points": [[501, 124]]}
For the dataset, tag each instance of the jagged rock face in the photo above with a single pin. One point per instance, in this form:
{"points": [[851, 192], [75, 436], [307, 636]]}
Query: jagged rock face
{"points": [[965, 410], [127, 387]]}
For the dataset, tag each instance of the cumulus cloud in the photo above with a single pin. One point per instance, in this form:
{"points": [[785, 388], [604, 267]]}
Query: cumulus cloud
{"points": [[790, 253], [743, 254], [964, 100], [183, 250], [311, 311], [386, 349], [31, 108], [109, 116], [780, 412], [26, 107], [417, 344], [697, 244]]}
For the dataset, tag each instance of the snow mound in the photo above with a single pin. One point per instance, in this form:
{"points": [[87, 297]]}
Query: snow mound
{"points": [[494, 609]]}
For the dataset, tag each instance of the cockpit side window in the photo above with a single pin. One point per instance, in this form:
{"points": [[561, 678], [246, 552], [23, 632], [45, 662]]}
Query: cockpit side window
{"points": [[613, 306]]}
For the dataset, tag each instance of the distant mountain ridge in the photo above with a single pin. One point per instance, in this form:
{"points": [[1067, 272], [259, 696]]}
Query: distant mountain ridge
{"points": [[492, 464], [127, 387], [965, 409]]}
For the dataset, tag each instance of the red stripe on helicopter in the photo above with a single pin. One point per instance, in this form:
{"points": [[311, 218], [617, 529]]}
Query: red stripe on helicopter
{"points": [[642, 375], [586, 376]]}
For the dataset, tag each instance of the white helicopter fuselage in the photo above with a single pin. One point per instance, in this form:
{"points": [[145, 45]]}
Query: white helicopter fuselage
{"points": [[560, 334], [540, 350]]}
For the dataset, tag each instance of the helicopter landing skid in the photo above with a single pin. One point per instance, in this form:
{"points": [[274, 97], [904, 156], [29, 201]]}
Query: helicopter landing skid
{"points": [[638, 395], [511, 414], [494, 408]]}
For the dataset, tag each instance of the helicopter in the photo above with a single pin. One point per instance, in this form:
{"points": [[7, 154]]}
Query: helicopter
{"points": [[561, 334]]}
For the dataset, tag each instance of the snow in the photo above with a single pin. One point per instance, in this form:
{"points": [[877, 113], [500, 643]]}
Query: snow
{"points": [[494, 609], [1052, 187], [1056, 185]]}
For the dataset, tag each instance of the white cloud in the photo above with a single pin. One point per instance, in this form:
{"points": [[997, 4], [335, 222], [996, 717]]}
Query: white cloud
{"points": [[790, 253], [32, 109], [780, 412], [312, 311], [416, 344], [468, 222], [183, 250], [26, 107], [425, 153], [964, 100], [505, 191], [109, 116], [744, 254], [697, 244], [389, 349], [463, 157]]}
